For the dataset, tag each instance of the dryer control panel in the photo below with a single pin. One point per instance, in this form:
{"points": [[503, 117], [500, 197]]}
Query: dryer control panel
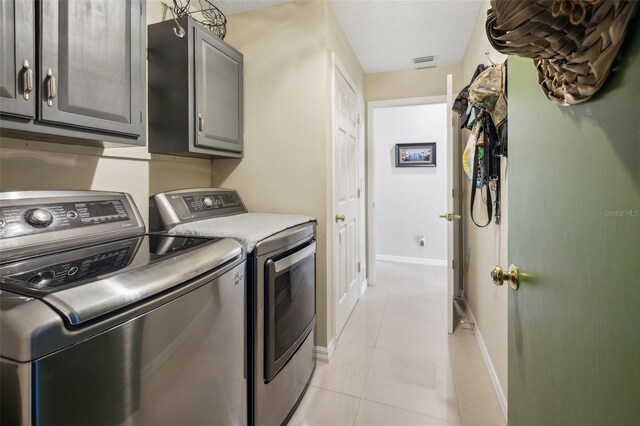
{"points": [[204, 202], [168, 209]]}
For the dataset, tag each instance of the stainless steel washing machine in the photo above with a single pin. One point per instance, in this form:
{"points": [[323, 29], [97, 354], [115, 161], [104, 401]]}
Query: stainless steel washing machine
{"points": [[102, 324], [281, 270]]}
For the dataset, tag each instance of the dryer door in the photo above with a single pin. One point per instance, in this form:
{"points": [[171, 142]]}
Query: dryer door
{"points": [[290, 293]]}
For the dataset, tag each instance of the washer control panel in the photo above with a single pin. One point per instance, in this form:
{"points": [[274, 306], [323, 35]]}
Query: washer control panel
{"points": [[28, 219], [39, 222]]}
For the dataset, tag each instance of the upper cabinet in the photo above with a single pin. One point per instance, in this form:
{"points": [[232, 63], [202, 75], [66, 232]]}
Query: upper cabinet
{"points": [[90, 82], [18, 54], [195, 92]]}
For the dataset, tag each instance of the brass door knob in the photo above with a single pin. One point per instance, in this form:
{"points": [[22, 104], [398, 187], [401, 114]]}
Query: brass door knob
{"points": [[499, 276], [340, 218], [450, 217]]}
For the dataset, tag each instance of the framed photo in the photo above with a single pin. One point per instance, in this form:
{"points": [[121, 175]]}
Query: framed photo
{"points": [[421, 154]]}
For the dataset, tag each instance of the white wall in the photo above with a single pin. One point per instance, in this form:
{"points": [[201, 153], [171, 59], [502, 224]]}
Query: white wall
{"points": [[32, 165], [409, 199], [485, 247]]}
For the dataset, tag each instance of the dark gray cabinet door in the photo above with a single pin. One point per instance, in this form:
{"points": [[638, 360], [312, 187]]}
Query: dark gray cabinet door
{"points": [[90, 69], [17, 58], [218, 94]]}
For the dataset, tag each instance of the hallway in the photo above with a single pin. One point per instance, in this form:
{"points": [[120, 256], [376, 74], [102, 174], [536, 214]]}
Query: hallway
{"points": [[395, 364]]}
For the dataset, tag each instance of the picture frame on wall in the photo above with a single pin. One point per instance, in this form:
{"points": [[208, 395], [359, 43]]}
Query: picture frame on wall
{"points": [[422, 154]]}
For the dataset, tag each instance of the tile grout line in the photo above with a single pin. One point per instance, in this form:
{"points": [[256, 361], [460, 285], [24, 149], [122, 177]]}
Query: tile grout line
{"points": [[410, 411], [357, 409], [384, 310], [366, 377], [334, 391], [371, 358], [455, 390]]}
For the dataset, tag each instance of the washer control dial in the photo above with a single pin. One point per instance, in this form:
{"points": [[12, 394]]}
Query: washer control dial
{"points": [[207, 202], [42, 279], [39, 218]]}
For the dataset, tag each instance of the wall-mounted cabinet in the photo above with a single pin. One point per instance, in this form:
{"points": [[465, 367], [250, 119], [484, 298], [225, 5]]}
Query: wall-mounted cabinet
{"points": [[195, 92], [84, 79]]}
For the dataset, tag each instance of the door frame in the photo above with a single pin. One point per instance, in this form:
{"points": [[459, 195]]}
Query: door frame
{"points": [[371, 165], [337, 66]]}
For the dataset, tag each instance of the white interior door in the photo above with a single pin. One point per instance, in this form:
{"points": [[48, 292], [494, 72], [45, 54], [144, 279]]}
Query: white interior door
{"points": [[345, 190], [453, 207]]}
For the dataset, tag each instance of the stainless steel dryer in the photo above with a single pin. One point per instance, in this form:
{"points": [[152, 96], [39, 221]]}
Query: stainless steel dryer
{"points": [[281, 270], [104, 325]]}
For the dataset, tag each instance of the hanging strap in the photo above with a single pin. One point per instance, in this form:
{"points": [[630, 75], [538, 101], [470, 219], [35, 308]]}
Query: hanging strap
{"points": [[474, 184], [498, 210]]}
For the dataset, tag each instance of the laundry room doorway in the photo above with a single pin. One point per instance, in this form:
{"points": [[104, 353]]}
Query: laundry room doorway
{"points": [[413, 208]]}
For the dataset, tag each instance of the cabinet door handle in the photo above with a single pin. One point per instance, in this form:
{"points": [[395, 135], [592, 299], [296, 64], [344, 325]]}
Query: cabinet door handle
{"points": [[51, 86], [27, 80], [200, 123]]}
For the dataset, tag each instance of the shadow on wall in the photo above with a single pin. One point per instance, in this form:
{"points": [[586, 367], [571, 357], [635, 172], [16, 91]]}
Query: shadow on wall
{"points": [[168, 173], [222, 169], [598, 111], [24, 169]]}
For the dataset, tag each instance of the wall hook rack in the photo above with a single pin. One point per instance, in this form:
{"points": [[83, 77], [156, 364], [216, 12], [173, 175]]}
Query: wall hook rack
{"points": [[489, 58], [207, 14]]}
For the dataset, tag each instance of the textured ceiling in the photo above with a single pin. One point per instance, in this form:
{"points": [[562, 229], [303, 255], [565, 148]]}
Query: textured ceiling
{"points": [[387, 34]]}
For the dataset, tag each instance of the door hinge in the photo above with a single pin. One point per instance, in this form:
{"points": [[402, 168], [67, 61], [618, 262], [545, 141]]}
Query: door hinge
{"points": [[453, 264], [358, 118], [359, 267], [141, 116], [453, 193], [358, 192]]}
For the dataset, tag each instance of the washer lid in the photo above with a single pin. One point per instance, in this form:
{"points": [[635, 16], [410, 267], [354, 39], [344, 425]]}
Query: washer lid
{"points": [[87, 283], [248, 228]]}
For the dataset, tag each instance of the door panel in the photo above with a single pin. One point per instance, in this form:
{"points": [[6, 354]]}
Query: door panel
{"points": [[17, 44], [218, 95], [453, 207], [346, 202], [94, 90], [574, 231]]}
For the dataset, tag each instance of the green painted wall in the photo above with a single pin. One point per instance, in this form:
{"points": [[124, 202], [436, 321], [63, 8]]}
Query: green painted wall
{"points": [[574, 227]]}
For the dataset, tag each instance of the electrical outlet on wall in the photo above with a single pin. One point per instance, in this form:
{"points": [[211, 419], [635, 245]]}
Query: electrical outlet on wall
{"points": [[421, 241]]}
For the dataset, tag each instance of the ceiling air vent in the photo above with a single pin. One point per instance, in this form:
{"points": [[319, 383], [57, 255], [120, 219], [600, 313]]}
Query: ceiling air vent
{"points": [[424, 62]]}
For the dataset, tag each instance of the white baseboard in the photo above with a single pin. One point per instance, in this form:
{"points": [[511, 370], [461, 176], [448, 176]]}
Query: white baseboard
{"points": [[363, 287], [502, 400], [414, 260], [321, 353]]}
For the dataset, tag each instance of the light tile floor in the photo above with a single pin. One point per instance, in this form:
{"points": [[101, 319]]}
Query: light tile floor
{"points": [[395, 364]]}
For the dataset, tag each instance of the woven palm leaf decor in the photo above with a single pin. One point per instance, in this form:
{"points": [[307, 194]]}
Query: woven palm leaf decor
{"points": [[573, 43]]}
